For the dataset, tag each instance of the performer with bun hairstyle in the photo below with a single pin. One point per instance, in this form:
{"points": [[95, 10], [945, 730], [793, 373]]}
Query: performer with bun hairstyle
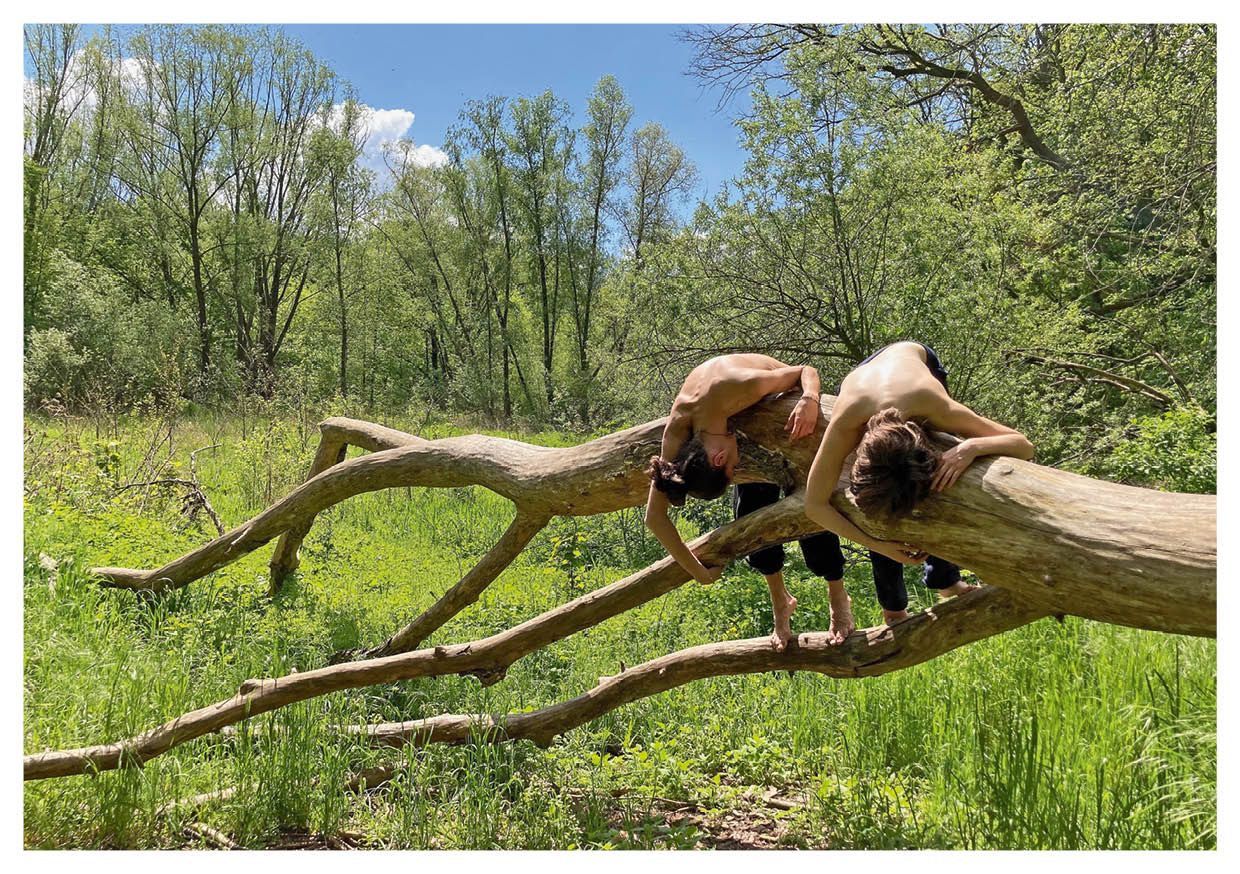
{"points": [[699, 455]]}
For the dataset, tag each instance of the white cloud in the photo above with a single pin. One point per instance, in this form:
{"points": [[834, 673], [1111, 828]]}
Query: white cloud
{"points": [[427, 156], [385, 127]]}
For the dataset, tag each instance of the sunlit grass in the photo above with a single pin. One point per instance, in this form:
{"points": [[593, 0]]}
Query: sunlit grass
{"points": [[1056, 735]]}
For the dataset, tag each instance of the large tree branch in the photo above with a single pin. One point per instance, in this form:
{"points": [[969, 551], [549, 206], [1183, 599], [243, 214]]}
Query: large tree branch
{"points": [[488, 658], [921, 65], [866, 653], [1107, 376], [1073, 544], [1061, 543], [596, 477]]}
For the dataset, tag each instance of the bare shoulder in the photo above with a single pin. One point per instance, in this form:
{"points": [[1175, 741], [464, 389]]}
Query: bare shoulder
{"points": [[676, 431], [956, 418], [754, 361], [850, 413], [680, 418], [927, 398]]}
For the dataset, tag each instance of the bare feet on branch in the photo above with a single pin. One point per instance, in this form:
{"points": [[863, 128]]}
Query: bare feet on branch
{"points": [[783, 628], [957, 588], [842, 623]]}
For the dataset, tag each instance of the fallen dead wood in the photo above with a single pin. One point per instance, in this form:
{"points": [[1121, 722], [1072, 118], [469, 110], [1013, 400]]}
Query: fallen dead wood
{"points": [[195, 802], [1058, 543], [520, 532], [488, 658], [1076, 545], [210, 835], [866, 653]]}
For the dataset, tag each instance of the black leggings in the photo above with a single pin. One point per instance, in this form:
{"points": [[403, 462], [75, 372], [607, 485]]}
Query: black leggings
{"points": [[822, 552]]}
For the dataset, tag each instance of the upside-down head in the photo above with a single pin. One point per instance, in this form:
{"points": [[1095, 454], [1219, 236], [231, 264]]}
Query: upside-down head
{"points": [[895, 464], [691, 472]]}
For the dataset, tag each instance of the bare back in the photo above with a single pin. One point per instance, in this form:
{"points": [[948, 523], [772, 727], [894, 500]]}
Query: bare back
{"points": [[896, 377], [723, 386]]}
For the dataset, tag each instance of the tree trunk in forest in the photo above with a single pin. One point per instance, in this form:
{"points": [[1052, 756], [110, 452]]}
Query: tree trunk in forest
{"points": [[200, 295], [1069, 543], [344, 322], [1056, 542]]}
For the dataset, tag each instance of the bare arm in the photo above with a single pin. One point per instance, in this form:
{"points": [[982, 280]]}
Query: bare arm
{"points": [[982, 437], [665, 532], [804, 417], [841, 438], [674, 435], [785, 378]]}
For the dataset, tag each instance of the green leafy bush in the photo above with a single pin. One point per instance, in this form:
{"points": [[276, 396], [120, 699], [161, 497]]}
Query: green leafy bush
{"points": [[1177, 451], [99, 347]]}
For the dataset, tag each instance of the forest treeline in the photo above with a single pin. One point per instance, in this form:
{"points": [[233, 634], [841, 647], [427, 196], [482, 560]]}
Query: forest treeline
{"points": [[1037, 202]]}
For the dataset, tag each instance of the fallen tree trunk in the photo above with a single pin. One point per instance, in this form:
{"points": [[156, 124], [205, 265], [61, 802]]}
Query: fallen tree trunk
{"points": [[865, 653], [1072, 544], [1060, 543], [488, 659]]}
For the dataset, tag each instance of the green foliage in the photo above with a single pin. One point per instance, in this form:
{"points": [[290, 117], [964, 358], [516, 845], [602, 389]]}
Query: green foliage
{"points": [[1075, 735], [1176, 451], [540, 276], [100, 351]]}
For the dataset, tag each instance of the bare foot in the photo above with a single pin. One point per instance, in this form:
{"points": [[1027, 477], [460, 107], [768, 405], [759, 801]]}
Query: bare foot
{"points": [[891, 617], [841, 621], [783, 627], [957, 588]]}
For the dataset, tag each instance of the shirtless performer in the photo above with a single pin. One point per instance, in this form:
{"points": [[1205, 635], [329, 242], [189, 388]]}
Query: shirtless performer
{"points": [[699, 455], [883, 410]]}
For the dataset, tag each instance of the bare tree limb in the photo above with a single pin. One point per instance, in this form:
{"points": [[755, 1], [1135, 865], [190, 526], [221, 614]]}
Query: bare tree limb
{"points": [[867, 653], [1060, 543], [488, 658], [1077, 545], [201, 493], [1118, 380], [211, 836], [464, 593]]}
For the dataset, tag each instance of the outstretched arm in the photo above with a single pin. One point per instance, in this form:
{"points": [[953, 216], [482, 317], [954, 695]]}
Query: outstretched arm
{"points": [[783, 377], [674, 435], [841, 438], [982, 437], [665, 532]]}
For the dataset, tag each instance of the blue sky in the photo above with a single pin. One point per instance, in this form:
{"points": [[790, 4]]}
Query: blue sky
{"points": [[432, 69], [417, 77]]}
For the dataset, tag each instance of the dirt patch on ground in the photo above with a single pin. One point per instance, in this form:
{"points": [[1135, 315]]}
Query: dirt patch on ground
{"points": [[290, 839], [761, 822]]}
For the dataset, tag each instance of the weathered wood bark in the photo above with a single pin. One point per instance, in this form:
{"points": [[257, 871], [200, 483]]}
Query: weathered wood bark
{"points": [[464, 593], [874, 651], [488, 658], [1073, 544], [336, 435], [1056, 542], [865, 653]]}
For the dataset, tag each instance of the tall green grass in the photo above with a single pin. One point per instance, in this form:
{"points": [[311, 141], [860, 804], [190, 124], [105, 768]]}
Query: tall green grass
{"points": [[1065, 735]]}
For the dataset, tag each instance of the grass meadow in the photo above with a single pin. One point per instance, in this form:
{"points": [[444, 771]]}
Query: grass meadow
{"points": [[1058, 735]]}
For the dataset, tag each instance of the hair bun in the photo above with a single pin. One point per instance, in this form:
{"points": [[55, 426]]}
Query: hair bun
{"points": [[667, 478]]}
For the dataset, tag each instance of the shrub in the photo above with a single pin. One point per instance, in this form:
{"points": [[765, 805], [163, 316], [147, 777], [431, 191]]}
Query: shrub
{"points": [[1177, 451]]}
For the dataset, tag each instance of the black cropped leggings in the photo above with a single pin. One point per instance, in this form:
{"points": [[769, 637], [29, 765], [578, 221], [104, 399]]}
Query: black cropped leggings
{"points": [[822, 552]]}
